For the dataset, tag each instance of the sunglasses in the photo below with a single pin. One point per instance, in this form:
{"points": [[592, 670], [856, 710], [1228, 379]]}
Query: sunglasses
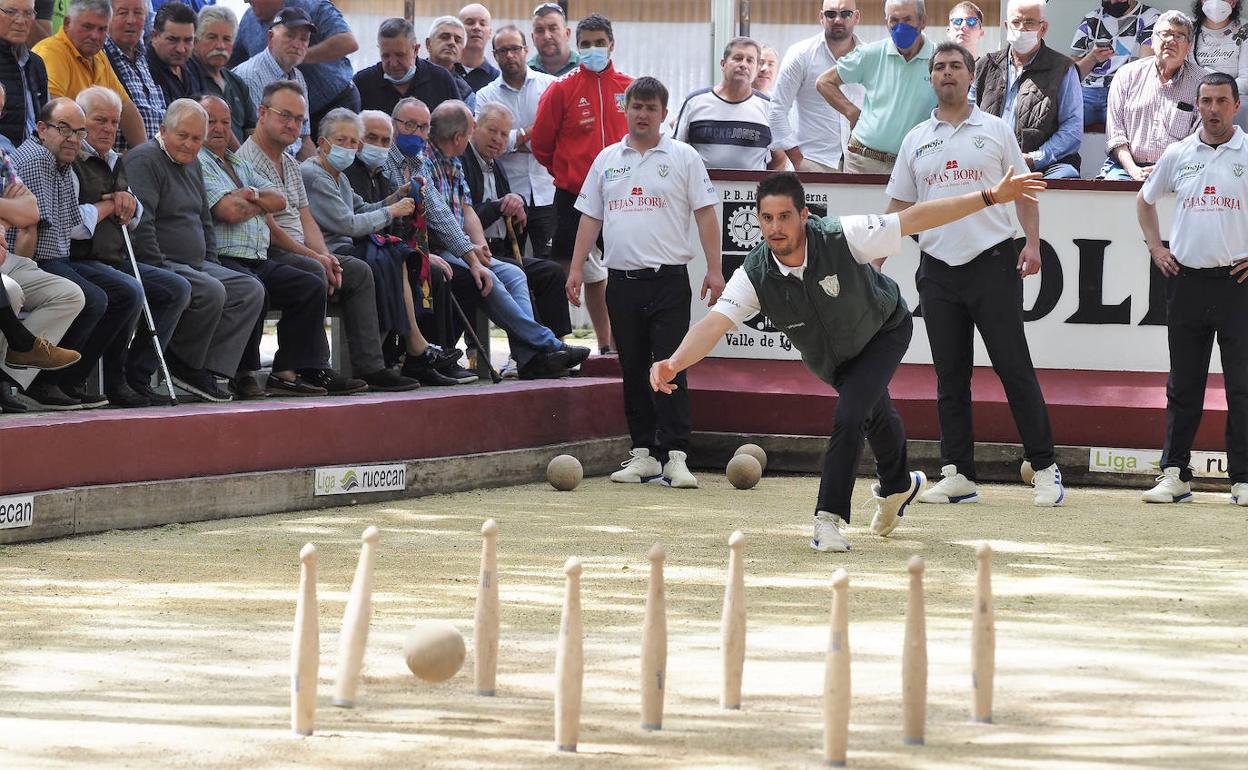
{"points": [[969, 21], [834, 15], [544, 7]]}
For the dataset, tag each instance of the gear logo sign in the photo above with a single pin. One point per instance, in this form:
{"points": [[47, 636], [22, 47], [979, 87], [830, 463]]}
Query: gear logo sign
{"points": [[743, 228]]}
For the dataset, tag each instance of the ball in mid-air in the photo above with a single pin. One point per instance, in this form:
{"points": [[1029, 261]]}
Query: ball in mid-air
{"points": [[564, 473], [755, 451], [434, 650], [744, 471]]}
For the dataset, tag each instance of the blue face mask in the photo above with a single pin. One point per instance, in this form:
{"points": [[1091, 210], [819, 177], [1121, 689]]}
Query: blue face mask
{"points": [[904, 35], [595, 59], [410, 145], [373, 156], [411, 73], [340, 158]]}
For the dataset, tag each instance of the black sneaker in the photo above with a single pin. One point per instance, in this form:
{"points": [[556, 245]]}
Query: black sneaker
{"points": [[78, 390], [458, 373], [46, 395], [546, 366], [200, 382], [154, 397], [333, 382], [389, 381], [576, 354], [125, 397], [9, 404], [276, 386], [423, 369]]}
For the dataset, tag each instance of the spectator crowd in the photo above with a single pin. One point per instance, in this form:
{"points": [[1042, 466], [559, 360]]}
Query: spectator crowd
{"points": [[172, 177]]}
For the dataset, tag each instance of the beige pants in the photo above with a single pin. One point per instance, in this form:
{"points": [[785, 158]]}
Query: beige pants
{"points": [[50, 302], [814, 165], [860, 164]]}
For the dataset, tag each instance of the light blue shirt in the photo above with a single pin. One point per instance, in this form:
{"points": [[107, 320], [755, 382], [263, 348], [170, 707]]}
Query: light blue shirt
{"points": [[1068, 137]]}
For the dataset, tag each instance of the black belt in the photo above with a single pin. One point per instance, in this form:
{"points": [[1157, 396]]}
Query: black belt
{"points": [[1205, 272], [650, 273]]}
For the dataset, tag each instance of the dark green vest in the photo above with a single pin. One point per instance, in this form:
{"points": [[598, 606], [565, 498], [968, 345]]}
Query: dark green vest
{"points": [[95, 179], [1036, 113], [838, 305]]}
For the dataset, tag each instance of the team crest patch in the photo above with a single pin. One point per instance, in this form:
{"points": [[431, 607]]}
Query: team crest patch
{"points": [[619, 102], [831, 286], [978, 142], [664, 170], [1238, 168]]}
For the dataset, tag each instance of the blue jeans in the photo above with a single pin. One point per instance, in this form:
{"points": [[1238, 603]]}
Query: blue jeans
{"points": [[1112, 170], [1095, 103], [114, 301], [509, 307], [168, 294], [1061, 171]]}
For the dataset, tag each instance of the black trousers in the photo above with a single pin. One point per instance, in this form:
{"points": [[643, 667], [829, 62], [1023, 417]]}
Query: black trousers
{"points": [[300, 297], [984, 294], [649, 313], [539, 229], [442, 326], [1202, 305], [567, 220], [864, 410]]}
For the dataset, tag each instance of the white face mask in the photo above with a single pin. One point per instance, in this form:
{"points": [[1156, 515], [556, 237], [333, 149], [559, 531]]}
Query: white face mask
{"points": [[1216, 11], [1023, 41]]}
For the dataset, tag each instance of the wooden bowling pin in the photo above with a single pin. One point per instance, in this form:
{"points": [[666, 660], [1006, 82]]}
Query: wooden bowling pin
{"points": [[983, 637], [353, 639], [654, 645], [914, 660], [733, 623], [836, 687], [569, 662], [485, 625], [305, 647]]}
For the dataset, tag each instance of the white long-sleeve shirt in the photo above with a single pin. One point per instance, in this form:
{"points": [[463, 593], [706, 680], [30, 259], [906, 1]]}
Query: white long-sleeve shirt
{"points": [[525, 175], [822, 133]]}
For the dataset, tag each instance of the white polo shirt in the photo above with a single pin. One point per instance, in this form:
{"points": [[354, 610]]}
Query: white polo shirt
{"points": [[1210, 223], [938, 160], [645, 202], [868, 236]]}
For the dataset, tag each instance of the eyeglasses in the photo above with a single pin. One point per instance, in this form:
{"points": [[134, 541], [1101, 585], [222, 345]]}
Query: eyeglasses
{"points": [[284, 116], [510, 50], [969, 21], [18, 13], [834, 15], [1167, 36], [544, 7], [64, 130], [1025, 24], [411, 126]]}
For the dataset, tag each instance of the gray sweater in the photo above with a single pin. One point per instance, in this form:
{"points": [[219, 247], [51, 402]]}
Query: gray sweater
{"points": [[176, 221], [342, 215]]}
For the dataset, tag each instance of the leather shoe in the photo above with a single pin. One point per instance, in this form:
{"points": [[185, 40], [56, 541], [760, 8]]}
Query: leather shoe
{"points": [[78, 390], [126, 397], [9, 404], [333, 382], [154, 397], [422, 368], [299, 386], [245, 388], [47, 395], [389, 381], [576, 354], [546, 366]]}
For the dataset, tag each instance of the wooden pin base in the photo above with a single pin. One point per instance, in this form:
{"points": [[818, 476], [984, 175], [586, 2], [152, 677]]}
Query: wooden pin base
{"points": [[645, 726], [912, 741]]}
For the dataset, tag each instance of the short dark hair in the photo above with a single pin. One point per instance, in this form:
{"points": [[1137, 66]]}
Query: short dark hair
{"points": [[507, 28], [177, 13], [646, 89], [742, 42], [783, 183], [396, 28], [595, 22], [1219, 79], [946, 47], [266, 97]]}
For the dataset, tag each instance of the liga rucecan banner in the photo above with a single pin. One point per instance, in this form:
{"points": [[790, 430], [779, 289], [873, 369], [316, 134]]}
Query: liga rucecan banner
{"points": [[1097, 304]]}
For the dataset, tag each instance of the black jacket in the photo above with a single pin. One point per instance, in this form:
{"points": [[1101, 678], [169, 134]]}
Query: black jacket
{"points": [[431, 84], [487, 211], [13, 120]]}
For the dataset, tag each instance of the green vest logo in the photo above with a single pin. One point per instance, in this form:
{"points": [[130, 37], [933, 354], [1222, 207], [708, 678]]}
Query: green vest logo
{"points": [[831, 286]]}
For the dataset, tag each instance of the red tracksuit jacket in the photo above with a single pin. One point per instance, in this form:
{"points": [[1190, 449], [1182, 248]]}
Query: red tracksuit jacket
{"points": [[579, 115]]}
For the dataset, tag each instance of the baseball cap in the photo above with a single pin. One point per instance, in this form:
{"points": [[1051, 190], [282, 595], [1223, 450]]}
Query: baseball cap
{"points": [[293, 18]]}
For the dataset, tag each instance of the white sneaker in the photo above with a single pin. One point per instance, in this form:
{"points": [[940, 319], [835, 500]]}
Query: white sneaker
{"points": [[1049, 489], [639, 468], [676, 473], [1170, 488], [1239, 493], [889, 510], [829, 534], [1027, 473], [510, 370], [953, 488]]}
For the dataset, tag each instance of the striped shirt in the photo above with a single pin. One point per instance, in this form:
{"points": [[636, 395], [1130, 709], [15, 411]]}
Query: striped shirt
{"points": [[148, 99], [1145, 115], [260, 70], [439, 218], [241, 240], [53, 188], [288, 183]]}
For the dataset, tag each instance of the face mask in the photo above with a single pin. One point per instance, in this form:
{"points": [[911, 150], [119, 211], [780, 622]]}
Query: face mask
{"points": [[595, 59], [1216, 11], [411, 73], [904, 35], [1116, 9], [373, 156], [410, 145], [1023, 41], [340, 158]]}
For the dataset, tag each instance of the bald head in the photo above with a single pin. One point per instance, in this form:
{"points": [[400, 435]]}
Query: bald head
{"points": [[476, 19]]}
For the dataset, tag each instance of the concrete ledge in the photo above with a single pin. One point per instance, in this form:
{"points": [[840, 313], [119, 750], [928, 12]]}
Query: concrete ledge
{"points": [[85, 510]]}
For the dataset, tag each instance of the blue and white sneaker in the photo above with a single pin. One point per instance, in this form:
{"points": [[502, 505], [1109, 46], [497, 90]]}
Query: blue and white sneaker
{"points": [[829, 534], [1170, 488], [889, 510], [1239, 493], [1049, 489], [639, 468], [953, 488]]}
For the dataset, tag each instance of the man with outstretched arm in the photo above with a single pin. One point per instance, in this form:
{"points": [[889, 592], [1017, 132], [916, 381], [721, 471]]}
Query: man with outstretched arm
{"points": [[813, 278]]}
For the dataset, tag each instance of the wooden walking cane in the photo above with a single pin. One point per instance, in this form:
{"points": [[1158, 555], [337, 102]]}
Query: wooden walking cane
{"points": [[515, 254]]}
